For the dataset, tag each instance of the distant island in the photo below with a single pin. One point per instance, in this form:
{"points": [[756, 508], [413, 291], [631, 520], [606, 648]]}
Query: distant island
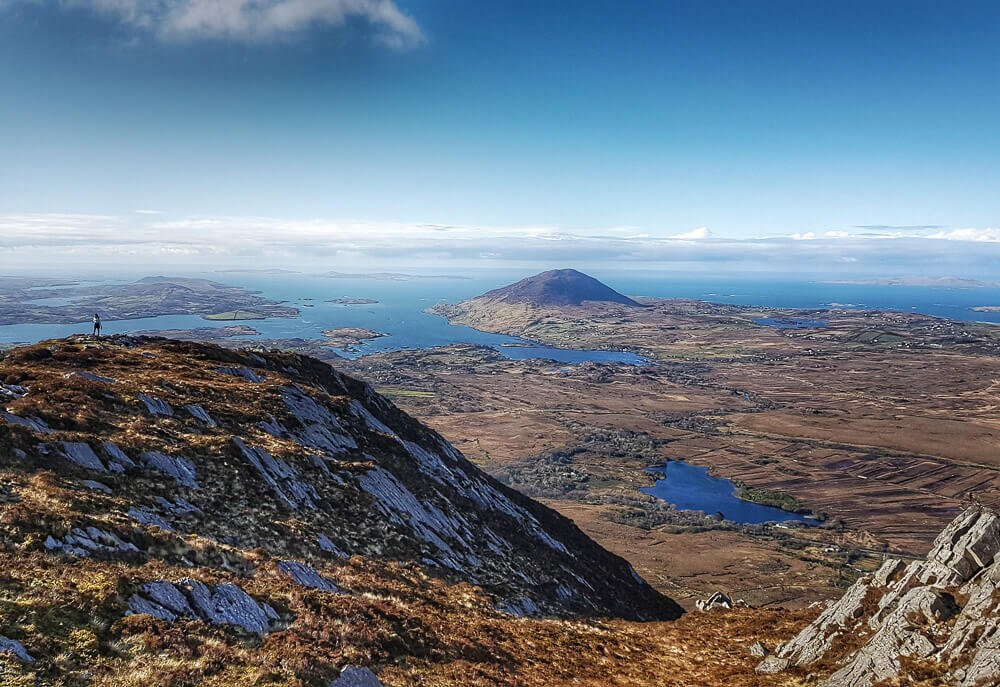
{"points": [[388, 276], [246, 270], [348, 338], [23, 301], [234, 315], [949, 282], [986, 308], [353, 301]]}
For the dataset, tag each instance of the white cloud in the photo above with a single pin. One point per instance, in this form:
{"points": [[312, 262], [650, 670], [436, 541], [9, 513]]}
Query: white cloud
{"points": [[342, 244], [694, 235], [989, 235], [257, 20]]}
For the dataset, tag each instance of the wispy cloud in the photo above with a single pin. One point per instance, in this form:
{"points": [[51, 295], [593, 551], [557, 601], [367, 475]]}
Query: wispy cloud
{"points": [[55, 239], [250, 21]]}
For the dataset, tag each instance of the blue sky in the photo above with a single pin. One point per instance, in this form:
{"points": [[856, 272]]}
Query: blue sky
{"points": [[748, 119]]}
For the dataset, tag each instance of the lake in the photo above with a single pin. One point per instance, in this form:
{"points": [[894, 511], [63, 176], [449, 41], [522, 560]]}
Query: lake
{"points": [[690, 487]]}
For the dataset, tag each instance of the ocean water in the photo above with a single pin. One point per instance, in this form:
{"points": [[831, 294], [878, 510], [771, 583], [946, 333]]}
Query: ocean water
{"points": [[400, 310], [690, 487]]}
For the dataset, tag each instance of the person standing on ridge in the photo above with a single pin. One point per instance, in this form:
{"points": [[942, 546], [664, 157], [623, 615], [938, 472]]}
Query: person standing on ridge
{"points": [[97, 325]]}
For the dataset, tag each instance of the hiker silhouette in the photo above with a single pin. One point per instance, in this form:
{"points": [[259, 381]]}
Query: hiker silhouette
{"points": [[97, 324]]}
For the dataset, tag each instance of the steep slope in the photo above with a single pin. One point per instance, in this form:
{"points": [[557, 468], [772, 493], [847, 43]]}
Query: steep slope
{"points": [[281, 452], [557, 288], [932, 622]]}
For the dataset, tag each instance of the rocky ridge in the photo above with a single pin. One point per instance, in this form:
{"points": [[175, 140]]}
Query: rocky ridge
{"points": [[937, 617]]}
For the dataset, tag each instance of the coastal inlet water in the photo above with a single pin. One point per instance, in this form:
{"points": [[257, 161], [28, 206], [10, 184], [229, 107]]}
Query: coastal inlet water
{"points": [[399, 312], [690, 487]]}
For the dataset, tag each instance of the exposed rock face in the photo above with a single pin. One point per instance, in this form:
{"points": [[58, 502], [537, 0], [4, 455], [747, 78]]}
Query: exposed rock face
{"points": [[282, 454], [357, 677], [942, 612], [224, 604], [555, 288], [12, 646]]}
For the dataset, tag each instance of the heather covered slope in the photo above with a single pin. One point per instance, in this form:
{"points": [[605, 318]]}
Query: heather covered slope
{"points": [[176, 513]]}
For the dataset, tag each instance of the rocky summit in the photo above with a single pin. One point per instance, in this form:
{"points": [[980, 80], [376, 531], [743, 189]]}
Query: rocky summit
{"points": [[933, 621], [151, 485]]}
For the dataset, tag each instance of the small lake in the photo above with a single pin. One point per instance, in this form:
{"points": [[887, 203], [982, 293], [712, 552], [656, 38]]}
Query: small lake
{"points": [[789, 322], [690, 487]]}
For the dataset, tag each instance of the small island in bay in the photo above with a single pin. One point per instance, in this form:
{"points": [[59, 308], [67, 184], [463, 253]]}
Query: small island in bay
{"points": [[234, 315], [352, 301], [348, 338], [986, 308]]}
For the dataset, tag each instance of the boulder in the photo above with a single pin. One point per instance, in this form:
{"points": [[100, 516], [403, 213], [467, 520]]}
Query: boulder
{"points": [[771, 665], [717, 600], [12, 646], [357, 677]]}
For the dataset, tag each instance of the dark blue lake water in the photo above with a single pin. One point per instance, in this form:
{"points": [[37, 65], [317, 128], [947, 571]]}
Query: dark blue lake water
{"points": [[690, 487], [789, 322]]}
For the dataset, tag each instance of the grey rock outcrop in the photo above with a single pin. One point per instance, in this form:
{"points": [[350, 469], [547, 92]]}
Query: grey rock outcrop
{"points": [[223, 604], [357, 677], [88, 541], [306, 576], [12, 646], [943, 612]]}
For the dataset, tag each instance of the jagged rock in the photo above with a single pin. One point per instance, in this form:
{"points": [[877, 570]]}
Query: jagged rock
{"points": [[771, 665], [178, 507], [96, 486], [326, 544], [223, 604], [244, 372], [758, 649], [118, 461], [35, 424], [88, 541], [12, 646], [306, 576], [181, 469], [320, 428], [904, 610], [144, 517], [356, 677], [90, 376], [82, 455], [199, 413], [12, 391], [155, 406], [523, 607], [282, 477], [717, 600]]}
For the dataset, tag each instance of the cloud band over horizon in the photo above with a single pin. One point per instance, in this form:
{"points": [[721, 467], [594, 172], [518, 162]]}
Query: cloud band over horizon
{"points": [[58, 240]]}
